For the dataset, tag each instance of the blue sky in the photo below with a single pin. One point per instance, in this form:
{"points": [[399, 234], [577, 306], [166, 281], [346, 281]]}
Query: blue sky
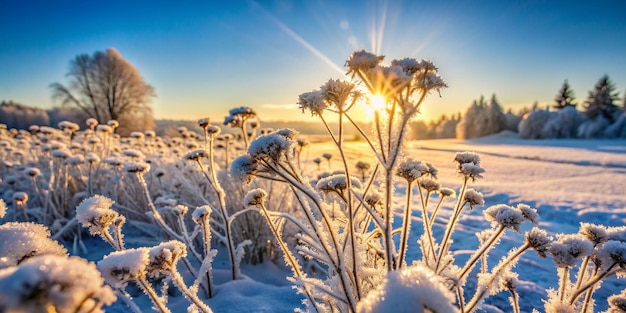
{"points": [[205, 57]]}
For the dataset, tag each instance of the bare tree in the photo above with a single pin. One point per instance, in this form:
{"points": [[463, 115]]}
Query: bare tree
{"points": [[105, 86]]}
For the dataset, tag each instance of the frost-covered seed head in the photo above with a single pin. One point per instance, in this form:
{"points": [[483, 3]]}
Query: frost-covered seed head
{"points": [[95, 213], [270, 147], [447, 192], [119, 267], [255, 198], [467, 157], [213, 130], [474, 198], [137, 167], [411, 170], [201, 213], [92, 158], [312, 101], [429, 184], [471, 170], [21, 241], [204, 122], [91, 122], [243, 169], [363, 166], [337, 92], [165, 256], [617, 233], [20, 198], [613, 252], [113, 123], [32, 172], [373, 199], [509, 280], [54, 284], [595, 233], [569, 248], [504, 215], [133, 153], [196, 155], [530, 214], [106, 129], [327, 156], [362, 61], [539, 240], [336, 183]]}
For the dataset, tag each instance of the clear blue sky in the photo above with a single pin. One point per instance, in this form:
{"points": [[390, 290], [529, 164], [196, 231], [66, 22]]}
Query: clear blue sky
{"points": [[204, 57]]}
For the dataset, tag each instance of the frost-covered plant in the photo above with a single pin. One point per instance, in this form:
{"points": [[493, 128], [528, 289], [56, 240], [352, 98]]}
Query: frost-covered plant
{"points": [[22, 241], [52, 283]]}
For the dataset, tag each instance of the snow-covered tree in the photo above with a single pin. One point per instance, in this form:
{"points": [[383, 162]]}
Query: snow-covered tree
{"points": [[565, 97], [481, 120], [601, 100]]}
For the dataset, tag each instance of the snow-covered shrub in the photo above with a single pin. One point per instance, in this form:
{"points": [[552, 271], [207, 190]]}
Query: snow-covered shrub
{"points": [[543, 124], [618, 128], [52, 283], [593, 128]]}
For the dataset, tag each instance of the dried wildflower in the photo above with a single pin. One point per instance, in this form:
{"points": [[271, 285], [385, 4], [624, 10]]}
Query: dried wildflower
{"points": [[312, 101], [91, 122], [32, 171], [271, 146], [362, 61], [411, 170], [373, 199], [165, 256], [61, 153], [104, 129], [569, 248], [20, 198], [195, 155], [612, 252], [595, 233], [509, 280], [204, 122], [430, 185], [409, 65], [243, 169], [137, 135], [327, 156], [474, 198], [530, 214], [119, 267], [337, 92], [113, 123], [200, 213], [363, 166], [429, 81], [336, 183], [137, 167], [75, 160], [447, 192], [466, 157], [133, 153], [471, 170], [539, 240], [255, 197], [504, 215], [95, 213]]}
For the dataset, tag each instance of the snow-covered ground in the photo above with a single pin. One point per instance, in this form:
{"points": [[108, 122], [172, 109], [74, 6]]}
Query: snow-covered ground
{"points": [[568, 181]]}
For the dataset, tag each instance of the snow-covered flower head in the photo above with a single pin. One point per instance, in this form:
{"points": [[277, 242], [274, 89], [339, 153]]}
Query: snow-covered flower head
{"points": [[133, 153], [255, 197], [474, 198], [75, 160], [504, 215], [429, 184], [137, 167], [363, 166], [362, 61], [411, 170], [137, 135], [21, 241], [539, 240], [68, 126], [92, 158], [270, 147], [429, 80], [105, 129], [617, 233], [447, 192], [336, 183], [20, 198], [201, 214], [32, 172], [595, 233], [113, 123], [471, 170], [337, 92], [165, 256], [612, 253], [312, 101], [509, 280], [95, 213], [213, 130], [196, 155], [54, 284], [119, 267], [413, 289], [530, 214], [467, 157], [243, 169], [91, 122], [388, 81], [569, 248], [204, 122]]}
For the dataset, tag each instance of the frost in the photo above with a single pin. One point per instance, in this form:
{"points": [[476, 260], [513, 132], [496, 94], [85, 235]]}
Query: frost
{"points": [[96, 214], [413, 289], [243, 169], [504, 215], [474, 198], [53, 283], [569, 248], [119, 267], [21, 241]]}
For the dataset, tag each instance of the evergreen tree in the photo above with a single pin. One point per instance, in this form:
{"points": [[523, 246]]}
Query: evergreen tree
{"points": [[601, 100], [565, 97]]}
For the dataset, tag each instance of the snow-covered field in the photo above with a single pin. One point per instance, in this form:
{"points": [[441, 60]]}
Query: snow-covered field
{"points": [[568, 181]]}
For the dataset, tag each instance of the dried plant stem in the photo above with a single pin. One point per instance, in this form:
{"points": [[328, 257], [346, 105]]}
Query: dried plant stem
{"points": [[145, 285], [488, 244], [445, 243]]}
